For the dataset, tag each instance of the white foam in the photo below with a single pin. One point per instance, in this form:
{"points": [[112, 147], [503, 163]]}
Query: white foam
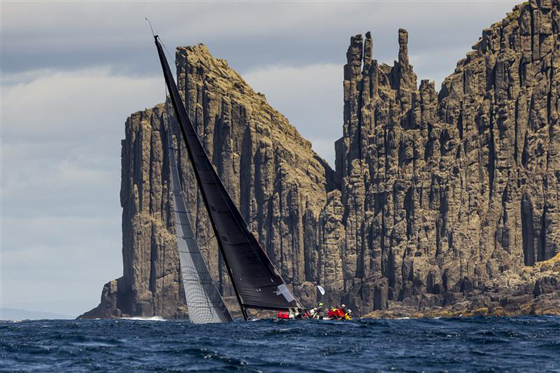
{"points": [[153, 318]]}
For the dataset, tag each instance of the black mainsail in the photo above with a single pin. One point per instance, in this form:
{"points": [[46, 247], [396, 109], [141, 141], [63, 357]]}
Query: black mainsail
{"points": [[256, 281]]}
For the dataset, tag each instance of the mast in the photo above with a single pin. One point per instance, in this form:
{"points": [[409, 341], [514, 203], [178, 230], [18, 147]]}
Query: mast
{"points": [[255, 280]]}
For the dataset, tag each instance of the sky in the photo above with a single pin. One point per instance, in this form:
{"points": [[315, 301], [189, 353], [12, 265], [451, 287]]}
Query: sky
{"points": [[72, 72]]}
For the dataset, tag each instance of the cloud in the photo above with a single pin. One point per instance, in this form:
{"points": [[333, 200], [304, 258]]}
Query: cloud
{"points": [[61, 139], [60, 182], [63, 105], [247, 34]]}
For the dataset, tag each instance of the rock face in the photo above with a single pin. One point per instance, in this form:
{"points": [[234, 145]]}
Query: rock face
{"points": [[446, 199], [445, 192], [279, 183]]}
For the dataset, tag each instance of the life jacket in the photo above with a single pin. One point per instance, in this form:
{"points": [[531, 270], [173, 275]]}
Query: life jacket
{"points": [[331, 313], [283, 315], [340, 313]]}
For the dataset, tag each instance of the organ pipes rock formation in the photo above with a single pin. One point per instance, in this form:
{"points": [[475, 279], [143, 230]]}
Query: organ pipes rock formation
{"points": [[442, 202]]}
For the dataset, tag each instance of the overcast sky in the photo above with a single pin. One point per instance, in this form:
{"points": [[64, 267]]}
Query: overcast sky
{"points": [[73, 72]]}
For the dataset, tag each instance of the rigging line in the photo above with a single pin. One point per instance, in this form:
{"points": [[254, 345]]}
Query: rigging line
{"points": [[161, 41], [178, 148], [166, 50], [168, 53], [208, 240], [169, 134], [151, 28], [258, 313], [164, 251]]}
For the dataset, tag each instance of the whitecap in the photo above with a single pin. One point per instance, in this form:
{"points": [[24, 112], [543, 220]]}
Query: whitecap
{"points": [[153, 318]]}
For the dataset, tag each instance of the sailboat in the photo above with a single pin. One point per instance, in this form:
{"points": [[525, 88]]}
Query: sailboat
{"points": [[255, 280]]}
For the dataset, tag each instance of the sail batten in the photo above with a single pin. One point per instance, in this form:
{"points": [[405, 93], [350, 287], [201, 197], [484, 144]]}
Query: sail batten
{"points": [[256, 281]]}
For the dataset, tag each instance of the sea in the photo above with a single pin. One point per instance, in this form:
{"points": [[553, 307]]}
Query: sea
{"points": [[480, 344]]}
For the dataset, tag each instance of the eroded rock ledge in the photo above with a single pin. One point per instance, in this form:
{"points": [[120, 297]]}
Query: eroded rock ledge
{"points": [[441, 203]]}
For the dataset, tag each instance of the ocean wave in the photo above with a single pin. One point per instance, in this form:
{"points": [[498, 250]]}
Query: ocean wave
{"points": [[476, 344], [153, 318]]}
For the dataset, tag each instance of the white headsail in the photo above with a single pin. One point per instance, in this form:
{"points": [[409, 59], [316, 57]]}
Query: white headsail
{"points": [[204, 302]]}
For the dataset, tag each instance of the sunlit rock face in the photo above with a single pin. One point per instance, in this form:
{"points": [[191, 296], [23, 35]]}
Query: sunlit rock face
{"points": [[443, 192], [437, 200]]}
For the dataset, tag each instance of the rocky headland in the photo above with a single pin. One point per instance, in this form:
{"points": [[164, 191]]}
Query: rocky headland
{"points": [[440, 204]]}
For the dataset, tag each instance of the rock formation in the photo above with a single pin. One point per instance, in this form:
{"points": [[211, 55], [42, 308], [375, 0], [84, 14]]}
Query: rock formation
{"points": [[444, 192], [279, 183], [446, 200]]}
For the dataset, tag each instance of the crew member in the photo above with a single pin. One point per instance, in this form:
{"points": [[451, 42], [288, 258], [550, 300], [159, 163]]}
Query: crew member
{"points": [[339, 313], [320, 311]]}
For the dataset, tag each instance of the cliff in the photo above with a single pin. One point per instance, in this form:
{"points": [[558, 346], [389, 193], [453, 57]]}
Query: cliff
{"points": [[441, 203], [279, 183]]}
